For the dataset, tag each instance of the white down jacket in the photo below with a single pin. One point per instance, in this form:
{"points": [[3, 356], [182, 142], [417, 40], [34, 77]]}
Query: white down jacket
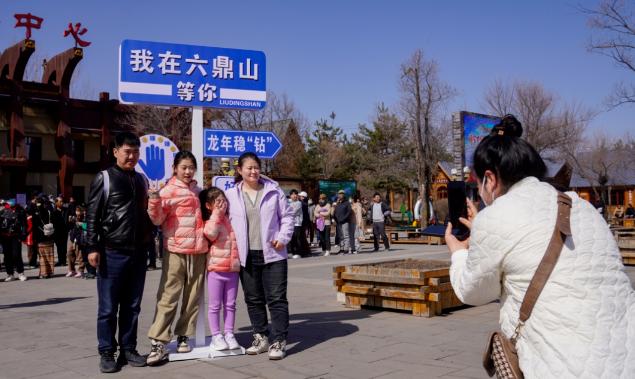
{"points": [[583, 324]]}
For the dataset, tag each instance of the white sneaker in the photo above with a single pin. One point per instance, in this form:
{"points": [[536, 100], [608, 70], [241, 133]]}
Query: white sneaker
{"points": [[295, 256], [9, 278], [355, 251], [259, 345], [231, 341], [69, 274], [22, 277], [327, 253], [278, 350], [218, 343]]}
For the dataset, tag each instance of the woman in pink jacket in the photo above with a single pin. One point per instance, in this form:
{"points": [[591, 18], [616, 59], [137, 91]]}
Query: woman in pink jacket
{"points": [[263, 223], [223, 266], [176, 208]]}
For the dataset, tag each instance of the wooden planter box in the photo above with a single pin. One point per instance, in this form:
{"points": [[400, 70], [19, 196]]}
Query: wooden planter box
{"points": [[420, 286], [626, 244]]}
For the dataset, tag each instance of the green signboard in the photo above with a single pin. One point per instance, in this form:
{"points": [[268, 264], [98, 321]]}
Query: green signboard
{"points": [[331, 187]]}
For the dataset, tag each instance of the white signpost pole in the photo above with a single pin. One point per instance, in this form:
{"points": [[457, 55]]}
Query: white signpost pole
{"points": [[197, 150], [197, 142]]}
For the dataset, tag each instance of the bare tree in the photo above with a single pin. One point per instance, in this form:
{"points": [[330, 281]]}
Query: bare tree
{"points": [[499, 98], [614, 37], [279, 108], [174, 123], [552, 128], [423, 93]]}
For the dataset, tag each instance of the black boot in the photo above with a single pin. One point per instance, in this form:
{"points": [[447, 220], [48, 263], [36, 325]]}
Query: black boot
{"points": [[107, 364], [132, 357]]}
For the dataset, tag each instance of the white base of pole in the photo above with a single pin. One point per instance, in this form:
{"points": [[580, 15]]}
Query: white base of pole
{"points": [[226, 353], [201, 352], [196, 353]]}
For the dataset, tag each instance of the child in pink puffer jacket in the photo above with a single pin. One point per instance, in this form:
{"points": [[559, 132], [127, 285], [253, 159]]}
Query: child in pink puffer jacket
{"points": [[223, 265], [176, 208]]}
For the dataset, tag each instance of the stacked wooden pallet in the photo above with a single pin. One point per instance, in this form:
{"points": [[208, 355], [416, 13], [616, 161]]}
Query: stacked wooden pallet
{"points": [[420, 286], [626, 242], [625, 238]]}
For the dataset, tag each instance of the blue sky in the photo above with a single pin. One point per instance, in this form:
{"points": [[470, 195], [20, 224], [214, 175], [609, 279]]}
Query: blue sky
{"points": [[344, 56]]}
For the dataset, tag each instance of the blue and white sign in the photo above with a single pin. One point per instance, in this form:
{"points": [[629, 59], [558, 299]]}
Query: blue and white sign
{"points": [[224, 182], [187, 75], [156, 157], [232, 143]]}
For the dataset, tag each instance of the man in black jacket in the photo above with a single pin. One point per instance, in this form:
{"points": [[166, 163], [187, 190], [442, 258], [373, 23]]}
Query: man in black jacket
{"points": [[345, 217], [118, 234]]}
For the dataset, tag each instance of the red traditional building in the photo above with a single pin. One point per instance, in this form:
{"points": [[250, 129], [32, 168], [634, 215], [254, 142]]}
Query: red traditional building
{"points": [[50, 142]]}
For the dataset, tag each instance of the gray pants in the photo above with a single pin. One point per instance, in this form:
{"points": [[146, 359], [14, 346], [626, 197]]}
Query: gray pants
{"points": [[347, 238], [380, 230]]}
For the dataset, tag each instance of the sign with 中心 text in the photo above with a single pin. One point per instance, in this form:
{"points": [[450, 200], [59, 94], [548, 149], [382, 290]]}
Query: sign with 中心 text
{"points": [[232, 143], [191, 76]]}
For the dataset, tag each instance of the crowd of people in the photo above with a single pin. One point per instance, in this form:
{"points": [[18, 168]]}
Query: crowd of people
{"points": [[54, 234], [349, 216]]}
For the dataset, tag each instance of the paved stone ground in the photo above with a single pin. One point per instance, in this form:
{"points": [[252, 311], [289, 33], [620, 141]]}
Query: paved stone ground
{"points": [[47, 330]]}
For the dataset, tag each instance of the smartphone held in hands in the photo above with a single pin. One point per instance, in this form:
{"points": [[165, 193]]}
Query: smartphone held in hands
{"points": [[457, 207]]}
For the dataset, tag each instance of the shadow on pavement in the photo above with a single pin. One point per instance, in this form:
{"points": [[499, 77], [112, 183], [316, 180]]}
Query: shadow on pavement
{"points": [[307, 330], [51, 301]]}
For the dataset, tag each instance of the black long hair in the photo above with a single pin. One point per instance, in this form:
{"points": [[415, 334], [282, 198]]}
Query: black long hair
{"points": [[507, 155], [184, 154], [241, 160]]}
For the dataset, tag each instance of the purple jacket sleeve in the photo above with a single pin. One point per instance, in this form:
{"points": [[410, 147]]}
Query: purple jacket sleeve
{"points": [[285, 214]]}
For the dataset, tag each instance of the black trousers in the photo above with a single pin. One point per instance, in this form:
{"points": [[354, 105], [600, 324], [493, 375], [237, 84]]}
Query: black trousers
{"points": [[152, 253], [120, 281], [298, 244], [33, 262], [265, 286], [325, 238], [61, 245], [12, 250], [310, 229]]}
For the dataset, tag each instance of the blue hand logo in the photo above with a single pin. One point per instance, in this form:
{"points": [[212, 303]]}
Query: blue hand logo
{"points": [[154, 166]]}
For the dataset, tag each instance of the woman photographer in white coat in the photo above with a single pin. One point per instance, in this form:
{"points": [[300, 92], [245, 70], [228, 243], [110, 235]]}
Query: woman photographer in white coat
{"points": [[583, 324]]}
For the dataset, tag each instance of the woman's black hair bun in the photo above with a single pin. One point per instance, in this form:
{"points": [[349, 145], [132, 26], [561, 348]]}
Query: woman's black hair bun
{"points": [[508, 126]]}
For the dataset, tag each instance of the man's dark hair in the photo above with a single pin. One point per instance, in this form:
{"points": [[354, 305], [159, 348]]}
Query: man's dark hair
{"points": [[293, 191], [127, 138], [507, 155], [377, 194]]}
